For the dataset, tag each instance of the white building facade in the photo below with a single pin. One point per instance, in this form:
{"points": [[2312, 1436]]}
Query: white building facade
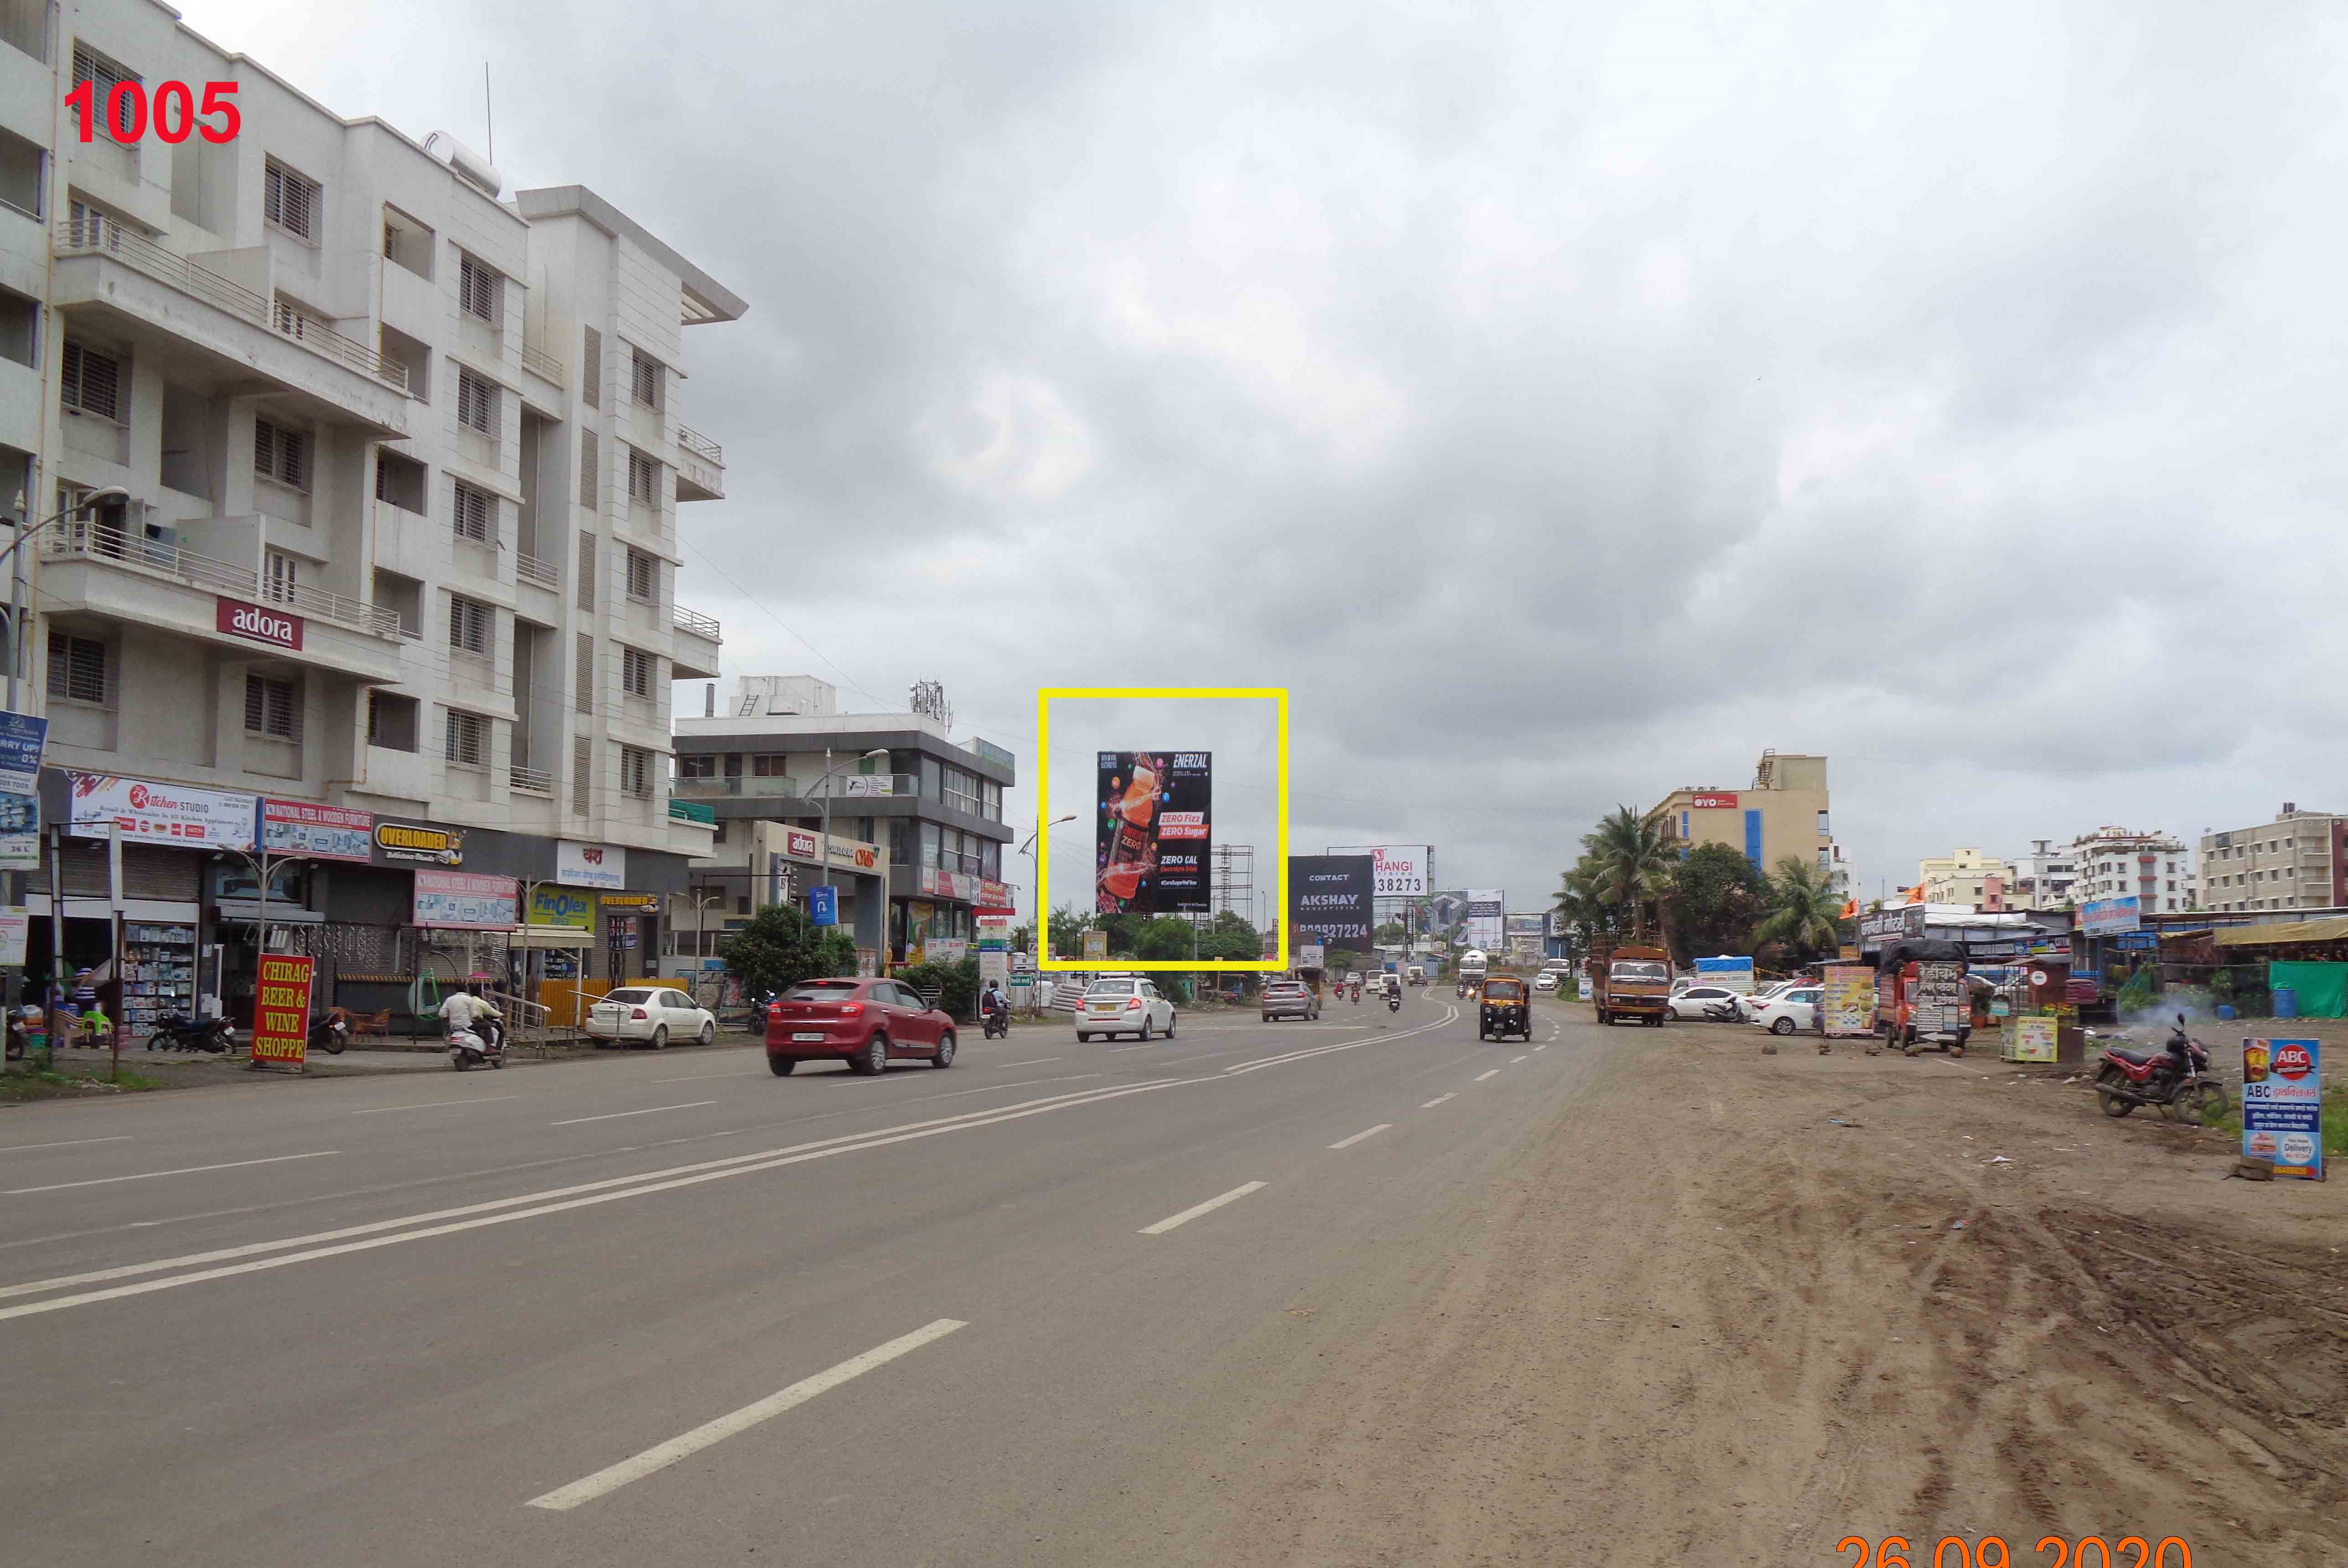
{"points": [[2117, 862], [2042, 879]]}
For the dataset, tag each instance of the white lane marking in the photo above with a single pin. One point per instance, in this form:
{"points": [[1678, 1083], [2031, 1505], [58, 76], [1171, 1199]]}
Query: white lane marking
{"points": [[614, 1477], [699, 1078], [1030, 1062], [66, 1143], [1481, 1076], [182, 1171], [1208, 1207], [1514, 1060], [950, 1094], [1145, 1045], [616, 1115], [636, 1186], [1438, 1099], [1448, 1014], [437, 1104], [1366, 1132], [1540, 1047]]}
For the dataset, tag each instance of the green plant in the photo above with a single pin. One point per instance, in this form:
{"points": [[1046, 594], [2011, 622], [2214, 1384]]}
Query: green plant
{"points": [[780, 947], [1630, 863], [1805, 910], [955, 985]]}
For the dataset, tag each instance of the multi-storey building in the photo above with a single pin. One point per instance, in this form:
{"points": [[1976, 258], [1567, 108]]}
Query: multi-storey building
{"points": [[2298, 861], [380, 588], [2042, 879], [934, 803], [1782, 813], [1967, 877], [2116, 863]]}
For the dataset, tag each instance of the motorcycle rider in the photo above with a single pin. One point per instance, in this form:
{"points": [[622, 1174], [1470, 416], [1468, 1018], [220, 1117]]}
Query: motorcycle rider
{"points": [[991, 1004]]}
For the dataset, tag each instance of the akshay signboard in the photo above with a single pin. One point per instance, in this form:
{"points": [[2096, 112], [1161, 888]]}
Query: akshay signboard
{"points": [[2282, 1106], [1330, 901], [1400, 870], [1155, 832]]}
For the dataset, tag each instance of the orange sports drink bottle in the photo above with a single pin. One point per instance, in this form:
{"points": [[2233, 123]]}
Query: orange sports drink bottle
{"points": [[1129, 856]]}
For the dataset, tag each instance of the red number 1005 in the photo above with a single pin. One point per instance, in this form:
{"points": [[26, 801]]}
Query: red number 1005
{"points": [[175, 110]]}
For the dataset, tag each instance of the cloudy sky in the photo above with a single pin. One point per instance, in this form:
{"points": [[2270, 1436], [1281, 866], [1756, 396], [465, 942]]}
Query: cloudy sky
{"points": [[1565, 402]]}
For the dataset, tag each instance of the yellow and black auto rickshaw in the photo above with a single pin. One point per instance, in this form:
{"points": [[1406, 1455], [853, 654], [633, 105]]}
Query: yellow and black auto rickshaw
{"points": [[1506, 1009]]}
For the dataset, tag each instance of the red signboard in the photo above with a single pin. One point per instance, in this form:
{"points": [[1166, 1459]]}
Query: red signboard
{"points": [[798, 844], [281, 1009], [254, 623], [1716, 803], [994, 896]]}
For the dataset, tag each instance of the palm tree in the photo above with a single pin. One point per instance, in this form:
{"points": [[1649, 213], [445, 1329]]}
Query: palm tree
{"points": [[1579, 904], [1804, 909], [1633, 863]]}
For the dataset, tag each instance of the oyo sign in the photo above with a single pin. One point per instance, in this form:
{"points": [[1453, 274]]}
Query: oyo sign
{"points": [[252, 623], [1714, 803]]}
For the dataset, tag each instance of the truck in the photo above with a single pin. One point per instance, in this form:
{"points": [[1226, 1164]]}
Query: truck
{"points": [[1636, 983], [1471, 968]]}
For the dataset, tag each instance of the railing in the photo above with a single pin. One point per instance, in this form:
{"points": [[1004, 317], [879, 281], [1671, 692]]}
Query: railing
{"points": [[695, 622], [103, 541], [693, 811], [543, 362], [101, 236], [530, 569], [701, 446], [531, 780], [899, 786]]}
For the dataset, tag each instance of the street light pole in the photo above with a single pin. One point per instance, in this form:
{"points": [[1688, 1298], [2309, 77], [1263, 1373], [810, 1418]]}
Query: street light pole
{"points": [[1036, 899], [824, 795]]}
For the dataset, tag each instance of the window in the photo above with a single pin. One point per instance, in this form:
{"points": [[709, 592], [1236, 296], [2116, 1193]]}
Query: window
{"points": [[21, 167], [644, 379], [643, 479], [590, 375], [471, 625], [272, 707], [399, 481], [643, 576], [587, 572], [391, 721], [468, 740], [477, 403], [476, 514], [636, 771], [699, 766], [930, 846], [289, 200], [636, 672], [284, 578], [583, 689], [992, 794], [479, 289], [77, 668], [89, 66], [770, 765], [20, 329], [960, 790], [93, 382], [281, 454]]}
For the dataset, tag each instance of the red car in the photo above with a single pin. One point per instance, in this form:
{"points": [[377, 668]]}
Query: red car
{"points": [[864, 1023]]}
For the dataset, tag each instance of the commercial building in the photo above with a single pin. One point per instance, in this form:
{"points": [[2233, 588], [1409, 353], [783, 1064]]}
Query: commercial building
{"points": [[2042, 879], [783, 750], [757, 862], [1783, 813], [380, 591], [1967, 877], [2298, 861], [2118, 863]]}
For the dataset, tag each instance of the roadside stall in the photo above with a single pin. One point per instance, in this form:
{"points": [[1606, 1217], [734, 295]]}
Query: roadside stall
{"points": [[1920, 996]]}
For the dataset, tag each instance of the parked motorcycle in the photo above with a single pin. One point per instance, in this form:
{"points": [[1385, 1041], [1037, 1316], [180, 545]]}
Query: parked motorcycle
{"points": [[179, 1032], [468, 1049], [331, 1032], [2176, 1079]]}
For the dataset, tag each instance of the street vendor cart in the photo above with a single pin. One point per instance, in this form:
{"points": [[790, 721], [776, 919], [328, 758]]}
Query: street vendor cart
{"points": [[1920, 996]]}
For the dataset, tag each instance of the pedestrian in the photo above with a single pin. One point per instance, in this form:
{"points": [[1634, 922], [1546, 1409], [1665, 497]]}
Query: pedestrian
{"points": [[84, 991]]}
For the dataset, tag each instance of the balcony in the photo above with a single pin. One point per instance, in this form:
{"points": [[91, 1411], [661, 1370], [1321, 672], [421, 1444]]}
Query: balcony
{"points": [[838, 786], [177, 305], [530, 781], [104, 571], [544, 573], [700, 467], [539, 362], [691, 811], [695, 653]]}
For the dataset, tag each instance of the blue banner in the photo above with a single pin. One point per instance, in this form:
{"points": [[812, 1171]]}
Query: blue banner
{"points": [[2282, 1104], [22, 739], [823, 905]]}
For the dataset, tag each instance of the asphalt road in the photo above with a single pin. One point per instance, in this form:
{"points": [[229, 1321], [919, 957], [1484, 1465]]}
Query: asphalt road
{"points": [[671, 1308]]}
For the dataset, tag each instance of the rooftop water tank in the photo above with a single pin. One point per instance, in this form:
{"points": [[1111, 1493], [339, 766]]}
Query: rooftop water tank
{"points": [[464, 160]]}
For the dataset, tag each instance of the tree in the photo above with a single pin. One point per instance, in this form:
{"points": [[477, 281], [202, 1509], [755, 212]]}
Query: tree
{"points": [[955, 985], [1390, 935], [1068, 930], [1577, 903], [1231, 937], [1633, 863], [780, 947], [1805, 911], [1716, 897]]}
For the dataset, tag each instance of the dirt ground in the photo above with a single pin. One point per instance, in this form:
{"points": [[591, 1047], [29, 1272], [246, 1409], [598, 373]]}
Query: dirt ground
{"points": [[1735, 1307]]}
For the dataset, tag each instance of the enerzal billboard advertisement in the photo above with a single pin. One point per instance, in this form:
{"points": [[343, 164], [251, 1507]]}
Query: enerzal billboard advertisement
{"points": [[1400, 869], [1328, 902], [1485, 908], [1155, 832]]}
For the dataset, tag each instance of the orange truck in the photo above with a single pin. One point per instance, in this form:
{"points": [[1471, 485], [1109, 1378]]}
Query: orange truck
{"points": [[1635, 983]]}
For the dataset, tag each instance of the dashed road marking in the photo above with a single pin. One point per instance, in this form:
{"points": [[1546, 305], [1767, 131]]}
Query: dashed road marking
{"points": [[1438, 1099], [1481, 1076], [1208, 1207], [182, 1171], [616, 1115], [1366, 1132]]}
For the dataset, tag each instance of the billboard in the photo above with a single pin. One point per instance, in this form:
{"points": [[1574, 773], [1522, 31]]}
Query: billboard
{"points": [[1400, 870], [281, 1009], [1526, 927], [1481, 928], [1330, 901], [317, 832], [143, 809], [1440, 915], [2111, 916], [1155, 832], [2282, 1106]]}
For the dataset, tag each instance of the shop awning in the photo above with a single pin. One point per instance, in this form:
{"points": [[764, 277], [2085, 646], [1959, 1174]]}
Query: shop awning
{"points": [[2333, 929]]}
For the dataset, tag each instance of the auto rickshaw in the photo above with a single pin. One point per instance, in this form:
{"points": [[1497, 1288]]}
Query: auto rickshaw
{"points": [[1506, 1009]]}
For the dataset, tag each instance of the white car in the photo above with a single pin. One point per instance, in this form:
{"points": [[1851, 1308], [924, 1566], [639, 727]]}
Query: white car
{"points": [[1755, 1001], [1693, 1002], [1796, 1009], [1135, 1007], [1545, 981], [651, 1014]]}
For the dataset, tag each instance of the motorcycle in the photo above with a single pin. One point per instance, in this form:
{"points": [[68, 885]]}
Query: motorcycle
{"points": [[468, 1049], [331, 1032], [179, 1032], [1394, 1001], [2176, 1079], [995, 1021]]}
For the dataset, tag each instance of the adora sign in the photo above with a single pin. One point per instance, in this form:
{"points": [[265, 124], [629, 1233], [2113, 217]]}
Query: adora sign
{"points": [[254, 623]]}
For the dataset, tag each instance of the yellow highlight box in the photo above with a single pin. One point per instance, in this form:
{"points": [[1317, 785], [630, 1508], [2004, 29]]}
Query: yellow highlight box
{"points": [[1278, 696]]}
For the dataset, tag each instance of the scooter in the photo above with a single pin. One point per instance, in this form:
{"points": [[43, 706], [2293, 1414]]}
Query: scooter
{"points": [[1394, 1001], [468, 1049], [179, 1032], [331, 1032], [2176, 1079]]}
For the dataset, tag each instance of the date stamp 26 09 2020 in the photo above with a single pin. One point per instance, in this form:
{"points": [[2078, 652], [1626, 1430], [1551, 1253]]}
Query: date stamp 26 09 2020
{"points": [[1992, 1551]]}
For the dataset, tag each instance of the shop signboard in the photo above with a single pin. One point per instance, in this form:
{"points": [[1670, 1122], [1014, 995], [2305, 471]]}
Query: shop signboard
{"points": [[561, 909], [1885, 925], [1484, 916], [802, 845], [1939, 997], [1714, 803], [1846, 1001], [1312, 955], [23, 738], [414, 841], [1399, 870], [2138, 942], [868, 784], [630, 902], [603, 867], [2032, 1039], [993, 947], [823, 905], [236, 618], [316, 832], [2282, 1106], [856, 853], [948, 949], [146, 811], [1154, 831], [994, 895], [1096, 944], [465, 900], [281, 1009], [2111, 916], [1329, 899], [16, 926], [20, 832]]}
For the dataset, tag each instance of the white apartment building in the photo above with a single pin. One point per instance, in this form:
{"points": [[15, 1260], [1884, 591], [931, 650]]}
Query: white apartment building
{"points": [[1966, 877], [2115, 862], [2298, 861], [390, 578], [2042, 879]]}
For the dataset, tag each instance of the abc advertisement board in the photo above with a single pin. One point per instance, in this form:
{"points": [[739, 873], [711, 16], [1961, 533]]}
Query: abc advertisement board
{"points": [[1155, 832], [1399, 870], [2282, 1106]]}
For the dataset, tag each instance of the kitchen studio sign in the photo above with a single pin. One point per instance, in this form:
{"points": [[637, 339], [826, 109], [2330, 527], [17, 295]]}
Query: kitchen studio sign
{"points": [[254, 623], [407, 841]]}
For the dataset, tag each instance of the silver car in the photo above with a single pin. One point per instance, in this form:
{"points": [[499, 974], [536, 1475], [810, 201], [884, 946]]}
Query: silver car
{"points": [[1289, 999]]}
